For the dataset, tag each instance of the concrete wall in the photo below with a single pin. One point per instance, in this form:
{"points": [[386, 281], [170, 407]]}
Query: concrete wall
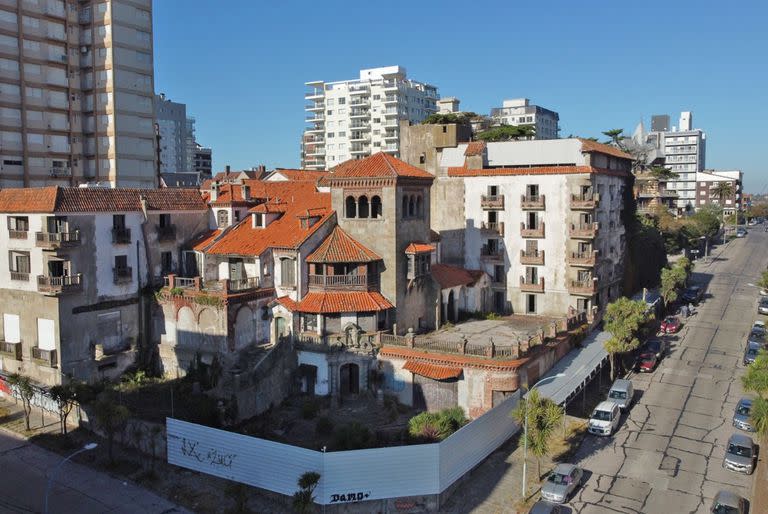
{"points": [[420, 145], [448, 218]]}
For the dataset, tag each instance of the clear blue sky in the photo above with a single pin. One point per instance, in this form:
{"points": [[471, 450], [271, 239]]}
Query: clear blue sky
{"points": [[240, 65]]}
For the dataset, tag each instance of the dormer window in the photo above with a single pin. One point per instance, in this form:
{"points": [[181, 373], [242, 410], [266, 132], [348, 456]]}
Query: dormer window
{"points": [[258, 220], [222, 218]]}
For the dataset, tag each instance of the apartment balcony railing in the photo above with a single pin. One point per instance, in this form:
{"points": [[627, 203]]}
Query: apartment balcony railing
{"points": [[584, 201], [238, 285], [584, 230], [532, 203], [12, 350], [121, 236], [489, 253], [346, 282], [173, 281], [19, 276], [314, 94], [492, 202], [587, 259], [60, 172], [527, 231], [166, 233], [582, 287], [535, 258], [359, 90], [61, 284], [122, 275], [53, 240], [530, 286], [44, 357], [360, 126], [493, 227], [359, 113], [17, 234]]}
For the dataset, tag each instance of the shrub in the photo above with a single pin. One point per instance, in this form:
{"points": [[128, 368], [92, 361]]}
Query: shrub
{"points": [[324, 426], [436, 426], [309, 409], [353, 436]]}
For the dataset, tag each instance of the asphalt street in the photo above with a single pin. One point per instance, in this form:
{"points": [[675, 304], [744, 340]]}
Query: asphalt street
{"points": [[667, 455]]}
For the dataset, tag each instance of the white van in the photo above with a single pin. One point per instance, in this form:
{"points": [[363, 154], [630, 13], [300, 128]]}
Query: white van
{"points": [[622, 393], [605, 418]]}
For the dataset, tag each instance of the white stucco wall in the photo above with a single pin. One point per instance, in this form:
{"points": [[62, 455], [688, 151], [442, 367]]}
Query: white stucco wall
{"points": [[322, 386], [106, 252]]}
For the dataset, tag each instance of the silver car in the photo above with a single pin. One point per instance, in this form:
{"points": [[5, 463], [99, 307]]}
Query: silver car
{"points": [[726, 502], [740, 454], [741, 415], [762, 307], [561, 483]]}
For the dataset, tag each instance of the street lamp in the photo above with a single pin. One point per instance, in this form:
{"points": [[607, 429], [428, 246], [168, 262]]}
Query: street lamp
{"points": [[525, 428], [87, 447]]}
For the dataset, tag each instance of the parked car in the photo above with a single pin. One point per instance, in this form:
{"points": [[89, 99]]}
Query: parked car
{"points": [[759, 326], [741, 233], [740, 454], [658, 347], [756, 336], [647, 362], [763, 292], [543, 507], [762, 306], [670, 325], [622, 393], [726, 502], [741, 415], [692, 295], [561, 483], [605, 418], [750, 354]]}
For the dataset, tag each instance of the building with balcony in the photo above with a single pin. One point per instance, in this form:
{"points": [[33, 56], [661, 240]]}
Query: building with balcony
{"points": [[706, 190], [352, 119], [565, 195], [520, 111], [76, 261], [77, 82]]}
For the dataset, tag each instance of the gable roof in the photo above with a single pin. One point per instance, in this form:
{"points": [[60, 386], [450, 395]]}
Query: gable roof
{"points": [[451, 276], [432, 371], [376, 166], [419, 248], [341, 247], [300, 175], [337, 302], [204, 240], [259, 191], [475, 148], [587, 145], [54, 199]]}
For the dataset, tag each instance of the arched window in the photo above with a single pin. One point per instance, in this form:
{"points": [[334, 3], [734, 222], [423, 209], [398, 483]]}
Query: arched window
{"points": [[405, 206], [411, 206], [376, 207], [351, 207], [362, 207], [222, 217], [419, 207]]}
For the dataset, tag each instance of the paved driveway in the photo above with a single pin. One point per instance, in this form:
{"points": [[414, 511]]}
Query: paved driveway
{"points": [[667, 456]]}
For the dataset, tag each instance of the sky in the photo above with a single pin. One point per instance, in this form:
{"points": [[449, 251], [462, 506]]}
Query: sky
{"points": [[601, 65]]}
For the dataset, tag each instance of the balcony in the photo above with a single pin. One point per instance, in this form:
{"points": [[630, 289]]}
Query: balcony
{"points": [[493, 227], [360, 149], [317, 118], [359, 90], [584, 201], [238, 285], [12, 350], [345, 282], [532, 286], [19, 276], [586, 259], [526, 231], [360, 125], [17, 234], [60, 172], [121, 236], [316, 94], [359, 113], [584, 230], [492, 202], [582, 287], [534, 258], [166, 233], [53, 240], [122, 275], [44, 357], [532, 203], [488, 253], [61, 284]]}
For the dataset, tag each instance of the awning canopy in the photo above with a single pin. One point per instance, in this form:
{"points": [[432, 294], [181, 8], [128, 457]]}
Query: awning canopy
{"points": [[432, 371], [577, 368]]}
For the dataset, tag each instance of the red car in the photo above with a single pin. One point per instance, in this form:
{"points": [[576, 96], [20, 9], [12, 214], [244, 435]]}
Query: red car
{"points": [[670, 325], [647, 362]]}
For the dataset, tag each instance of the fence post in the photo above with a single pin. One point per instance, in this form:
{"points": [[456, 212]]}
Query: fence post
{"points": [[171, 280], [409, 338]]}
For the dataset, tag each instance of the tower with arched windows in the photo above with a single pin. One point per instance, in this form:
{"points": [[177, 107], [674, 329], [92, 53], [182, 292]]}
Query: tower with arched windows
{"points": [[384, 202]]}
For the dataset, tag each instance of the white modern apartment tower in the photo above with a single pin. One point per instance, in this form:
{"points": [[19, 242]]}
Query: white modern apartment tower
{"points": [[352, 119], [520, 111], [172, 128], [76, 88]]}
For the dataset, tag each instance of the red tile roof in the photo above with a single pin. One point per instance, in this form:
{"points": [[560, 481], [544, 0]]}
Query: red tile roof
{"points": [[449, 360], [301, 175], [284, 232], [475, 148], [432, 371], [336, 302], [587, 145], [259, 191], [451, 276], [341, 247], [377, 165], [99, 199], [287, 302], [204, 240], [420, 248]]}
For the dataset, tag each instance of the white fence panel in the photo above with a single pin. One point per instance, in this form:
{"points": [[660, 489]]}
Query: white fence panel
{"points": [[474, 442], [257, 462], [375, 474]]}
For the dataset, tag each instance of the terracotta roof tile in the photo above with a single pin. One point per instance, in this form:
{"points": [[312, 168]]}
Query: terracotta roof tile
{"points": [[38, 199], [99, 199], [475, 148], [301, 175], [446, 359], [432, 371], [287, 302], [451, 276], [419, 248], [588, 145], [259, 191], [375, 166], [336, 302], [204, 240], [341, 247]]}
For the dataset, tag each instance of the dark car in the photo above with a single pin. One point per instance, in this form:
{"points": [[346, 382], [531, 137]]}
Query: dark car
{"points": [[544, 507], [726, 502], [670, 325], [647, 362], [658, 347], [750, 354], [692, 295]]}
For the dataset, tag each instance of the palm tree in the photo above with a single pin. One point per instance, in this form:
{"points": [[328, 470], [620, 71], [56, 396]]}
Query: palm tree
{"points": [[544, 416], [615, 136], [660, 173], [721, 191], [759, 417]]}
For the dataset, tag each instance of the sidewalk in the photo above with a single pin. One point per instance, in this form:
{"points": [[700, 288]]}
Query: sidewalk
{"points": [[759, 503]]}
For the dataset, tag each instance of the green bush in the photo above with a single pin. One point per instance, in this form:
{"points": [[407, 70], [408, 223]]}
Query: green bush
{"points": [[353, 436], [324, 426], [309, 409], [436, 426]]}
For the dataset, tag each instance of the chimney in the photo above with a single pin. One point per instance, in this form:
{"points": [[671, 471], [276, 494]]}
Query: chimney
{"points": [[227, 169], [214, 191], [262, 169]]}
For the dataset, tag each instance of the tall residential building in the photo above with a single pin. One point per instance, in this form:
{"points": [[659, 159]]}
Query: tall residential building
{"points": [[706, 193], [519, 111], [352, 119], [76, 82], [202, 161], [172, 126]]}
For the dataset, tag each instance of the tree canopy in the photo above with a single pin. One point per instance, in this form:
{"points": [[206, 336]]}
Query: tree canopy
{"points": [[507, 133], [623, 319], [448, 118]]}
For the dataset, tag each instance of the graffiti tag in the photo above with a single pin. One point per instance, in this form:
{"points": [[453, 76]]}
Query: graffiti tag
{"points": [[349, 497], [212, 456]]}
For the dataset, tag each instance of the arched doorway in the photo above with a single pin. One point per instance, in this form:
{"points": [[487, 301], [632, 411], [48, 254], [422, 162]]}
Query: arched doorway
{"points": [[451, 316], [281, 328], [349, 378]]}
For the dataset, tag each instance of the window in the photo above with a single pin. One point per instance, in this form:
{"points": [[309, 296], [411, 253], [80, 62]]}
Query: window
{"points": [[530, 304], [308, 322], [121, 262], [18, 223], [11, 329], [498, 273], [222, 218], [287, 272], [342, 101], [165, 220], [166, 263], [493, 190], [362, 207], [532, 191], [376, 209], [531, 275], [18, 263], [350, 210]]}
